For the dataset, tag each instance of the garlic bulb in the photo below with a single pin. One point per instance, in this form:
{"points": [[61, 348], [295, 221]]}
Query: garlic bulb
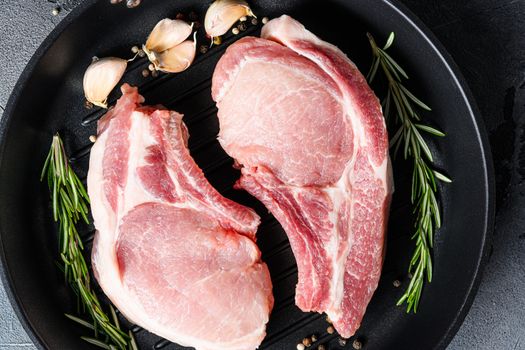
{"points": [[101, 77], [222, 14], [167, 34], [177, 58]]}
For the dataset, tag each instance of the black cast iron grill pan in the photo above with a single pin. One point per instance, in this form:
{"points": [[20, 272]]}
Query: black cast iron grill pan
{"points": [[49, 98]]}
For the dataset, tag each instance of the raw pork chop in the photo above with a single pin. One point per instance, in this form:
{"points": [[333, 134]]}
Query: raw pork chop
{"points": [[300, 119], [170, 252]]}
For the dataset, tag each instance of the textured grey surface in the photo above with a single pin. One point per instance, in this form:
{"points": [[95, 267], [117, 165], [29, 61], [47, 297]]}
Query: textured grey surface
{"points": [[487, 40], [23, 26]]}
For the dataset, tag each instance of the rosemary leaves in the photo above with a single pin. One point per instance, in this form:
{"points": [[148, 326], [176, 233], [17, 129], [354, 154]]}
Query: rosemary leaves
{"points": [[70, 204], [408, 136]]}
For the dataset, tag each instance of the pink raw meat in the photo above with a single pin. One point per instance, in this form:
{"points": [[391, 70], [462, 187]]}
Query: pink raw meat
{"points": [[308, 131], [170, 252]]}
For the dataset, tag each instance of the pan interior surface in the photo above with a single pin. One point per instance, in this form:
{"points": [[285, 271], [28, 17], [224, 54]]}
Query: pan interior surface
{"points": [[49, 98]]}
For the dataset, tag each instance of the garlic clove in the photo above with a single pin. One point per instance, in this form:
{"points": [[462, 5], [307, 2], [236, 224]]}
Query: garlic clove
{"points": [[222, 14], [167, 34], [101, 77], [178, 58]]}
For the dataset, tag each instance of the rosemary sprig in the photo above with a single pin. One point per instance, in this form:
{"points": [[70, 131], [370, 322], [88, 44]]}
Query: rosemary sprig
{"points": [[70, 204], [424, 177]]}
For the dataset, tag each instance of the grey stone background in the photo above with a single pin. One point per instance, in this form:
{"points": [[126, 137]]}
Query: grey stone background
{"points": [[487, 40]]}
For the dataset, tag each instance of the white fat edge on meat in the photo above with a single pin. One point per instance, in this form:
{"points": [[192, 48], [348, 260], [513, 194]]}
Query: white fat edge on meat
{"points": [[110, 278], [223, 91], [139, 140], [227, 84], [103, 216], [339, 194]]}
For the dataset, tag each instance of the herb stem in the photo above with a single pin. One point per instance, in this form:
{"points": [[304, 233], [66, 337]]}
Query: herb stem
{"points": [[424, 189], [70, 204]]}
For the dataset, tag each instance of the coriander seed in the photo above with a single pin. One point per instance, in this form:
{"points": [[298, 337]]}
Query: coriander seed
{"points": [[330, 330], [396, 283], [357, 345]]}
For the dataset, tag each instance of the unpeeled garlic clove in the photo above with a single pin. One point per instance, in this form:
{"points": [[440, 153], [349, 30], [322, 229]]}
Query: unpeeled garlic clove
{"points": [[222, 14], [166, 34], [101, 77], [177, 58]]}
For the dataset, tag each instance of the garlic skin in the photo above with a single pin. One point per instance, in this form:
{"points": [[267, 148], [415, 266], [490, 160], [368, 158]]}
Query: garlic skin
{"points": [[222, 14], [101, 77], [166, 34]]}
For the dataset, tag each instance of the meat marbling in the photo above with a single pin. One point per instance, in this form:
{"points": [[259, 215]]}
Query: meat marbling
{"points": [[170, 252], [308, 132]]}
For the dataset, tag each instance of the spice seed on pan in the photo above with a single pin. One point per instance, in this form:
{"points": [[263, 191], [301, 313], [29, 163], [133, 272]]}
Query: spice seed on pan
{"points": [[307, 342], [396, 283]]}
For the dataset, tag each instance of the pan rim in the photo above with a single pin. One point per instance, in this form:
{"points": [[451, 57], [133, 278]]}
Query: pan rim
{"points": [[426, 35], [486, 153]]}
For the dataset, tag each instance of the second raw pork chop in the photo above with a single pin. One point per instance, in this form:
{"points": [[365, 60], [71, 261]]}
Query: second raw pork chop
{"points": [[170, 252], [309, 134]]}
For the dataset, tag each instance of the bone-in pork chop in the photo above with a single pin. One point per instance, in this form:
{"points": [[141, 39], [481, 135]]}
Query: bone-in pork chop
{"points": [[170, 252], [308, 132]]}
